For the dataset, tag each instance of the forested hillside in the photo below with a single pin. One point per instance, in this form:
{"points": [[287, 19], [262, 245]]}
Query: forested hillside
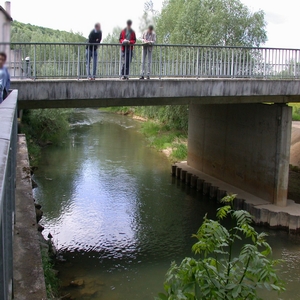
{"points": [[27, 33]]}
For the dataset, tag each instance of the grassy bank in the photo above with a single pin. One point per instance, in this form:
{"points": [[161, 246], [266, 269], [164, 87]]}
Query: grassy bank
{"points": [[51, 279], [296, 111], [172, 142], [163, 132], [43, 127]]}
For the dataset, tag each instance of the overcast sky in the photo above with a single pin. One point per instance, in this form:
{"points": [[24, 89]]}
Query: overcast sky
{"points": [[282, 16]]}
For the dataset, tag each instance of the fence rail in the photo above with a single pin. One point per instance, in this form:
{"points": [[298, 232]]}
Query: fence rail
{"points": [[68, 60], [8, 145]]}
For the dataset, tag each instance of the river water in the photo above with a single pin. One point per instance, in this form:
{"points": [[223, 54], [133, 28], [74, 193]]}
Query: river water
{"points": [[118, 218]]}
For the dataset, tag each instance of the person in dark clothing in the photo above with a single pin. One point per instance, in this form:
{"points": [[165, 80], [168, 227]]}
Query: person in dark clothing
{"points": [[127, 39], [95, 37]]}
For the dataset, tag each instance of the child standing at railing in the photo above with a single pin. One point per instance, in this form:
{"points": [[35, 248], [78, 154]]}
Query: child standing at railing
{"points": [[4, 77]]}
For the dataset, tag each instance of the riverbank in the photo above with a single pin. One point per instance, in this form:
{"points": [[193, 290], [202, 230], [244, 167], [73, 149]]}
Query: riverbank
{"points": [[160, 136], [44, 127]]}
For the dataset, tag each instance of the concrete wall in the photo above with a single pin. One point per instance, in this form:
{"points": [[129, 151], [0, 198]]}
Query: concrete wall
{"points": [[246, 145]]}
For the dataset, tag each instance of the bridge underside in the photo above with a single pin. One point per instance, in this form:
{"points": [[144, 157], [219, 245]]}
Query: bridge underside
{"points": [[114, 92], [245, 145]]}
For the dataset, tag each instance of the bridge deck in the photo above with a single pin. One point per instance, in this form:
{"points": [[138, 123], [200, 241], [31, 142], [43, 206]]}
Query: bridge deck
{"points": [[68, 93]]}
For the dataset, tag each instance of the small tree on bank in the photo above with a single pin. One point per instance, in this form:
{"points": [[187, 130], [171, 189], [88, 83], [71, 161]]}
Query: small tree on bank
{"points": [[218, 274]]}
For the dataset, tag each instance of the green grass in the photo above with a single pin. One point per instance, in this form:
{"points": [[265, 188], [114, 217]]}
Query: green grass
{"points": [[118, 109], [296, 111], [161, 137], [150, 129], [51, 279], [179, 152]]}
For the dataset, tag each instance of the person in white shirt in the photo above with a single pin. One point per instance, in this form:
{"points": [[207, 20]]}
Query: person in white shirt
{"points": [[148, 39]]}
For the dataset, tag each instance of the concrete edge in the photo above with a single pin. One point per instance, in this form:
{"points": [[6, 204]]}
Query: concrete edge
{"points": [[29, 281], [264, 213]]}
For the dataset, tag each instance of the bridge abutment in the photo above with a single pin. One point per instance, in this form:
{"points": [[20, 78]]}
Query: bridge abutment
{"points": [[245, 145]]}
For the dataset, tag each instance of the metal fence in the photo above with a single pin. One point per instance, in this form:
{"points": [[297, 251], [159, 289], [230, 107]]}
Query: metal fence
{"points": [[8, 150], [62, 60]]}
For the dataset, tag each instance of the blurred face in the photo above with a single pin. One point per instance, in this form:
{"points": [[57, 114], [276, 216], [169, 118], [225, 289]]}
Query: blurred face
{"points": [[98, 27], [129, 25], [150, 30], [2, 61]]}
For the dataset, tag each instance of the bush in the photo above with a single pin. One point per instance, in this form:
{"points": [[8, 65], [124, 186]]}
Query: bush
{"points": [[43, 126], [296, 111], [217, 274], [179, 152]]}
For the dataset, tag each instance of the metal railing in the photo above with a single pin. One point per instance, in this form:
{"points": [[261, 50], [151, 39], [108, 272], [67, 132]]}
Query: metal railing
{"points": [[8, 150], [68, 60]]}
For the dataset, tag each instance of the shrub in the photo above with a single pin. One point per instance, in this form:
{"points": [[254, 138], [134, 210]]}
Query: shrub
{"points": [[217, 273]]}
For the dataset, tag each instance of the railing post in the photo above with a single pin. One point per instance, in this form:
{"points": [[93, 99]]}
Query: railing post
{"points": [[295, 64], [160, 62], [34, 62], [265, 58], [78, 64], [197, 64], [232, 64]]}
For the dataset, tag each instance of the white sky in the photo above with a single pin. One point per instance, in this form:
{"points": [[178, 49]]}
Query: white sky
{"points": [[282, 16]]}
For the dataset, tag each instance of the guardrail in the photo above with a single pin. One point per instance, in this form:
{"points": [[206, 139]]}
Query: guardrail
{"points": [[68, 60], [8, 150]]}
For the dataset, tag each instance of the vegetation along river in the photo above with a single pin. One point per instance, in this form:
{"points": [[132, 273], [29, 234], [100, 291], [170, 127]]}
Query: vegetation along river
{"points": [[118, 218]]}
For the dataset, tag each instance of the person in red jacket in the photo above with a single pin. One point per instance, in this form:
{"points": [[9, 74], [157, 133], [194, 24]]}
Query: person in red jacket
{"points": [[127, 39]]}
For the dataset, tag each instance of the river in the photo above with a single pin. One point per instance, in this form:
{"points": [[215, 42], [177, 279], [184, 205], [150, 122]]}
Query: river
{"points": [[118, 218]]}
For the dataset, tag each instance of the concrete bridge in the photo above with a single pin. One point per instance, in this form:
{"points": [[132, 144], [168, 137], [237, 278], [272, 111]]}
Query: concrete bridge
{"points": [[239, 118], [244, 141]]}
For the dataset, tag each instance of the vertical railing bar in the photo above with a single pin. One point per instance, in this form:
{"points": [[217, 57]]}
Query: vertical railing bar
{"points": [[34, 62], [78, 63], [160, 62]]}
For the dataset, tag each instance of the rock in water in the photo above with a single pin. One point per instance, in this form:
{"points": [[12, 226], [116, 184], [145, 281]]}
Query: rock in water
{"points": [[77, 283], [34, 184], [40, 228]]}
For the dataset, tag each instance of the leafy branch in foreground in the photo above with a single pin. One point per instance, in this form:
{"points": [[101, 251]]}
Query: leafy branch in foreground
{"points": [[218, 273]]}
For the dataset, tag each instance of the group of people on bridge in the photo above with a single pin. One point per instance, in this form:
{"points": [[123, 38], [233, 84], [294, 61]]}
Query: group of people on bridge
{"points": [[127, 40]]}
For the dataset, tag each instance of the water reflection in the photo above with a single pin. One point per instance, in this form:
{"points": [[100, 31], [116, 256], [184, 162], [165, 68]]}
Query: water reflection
{"points": [[118, 216]]}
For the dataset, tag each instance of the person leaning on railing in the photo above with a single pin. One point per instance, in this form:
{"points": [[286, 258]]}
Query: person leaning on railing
{"points": [[95, 37], [148, 39], [127, 39], [4, 78]]}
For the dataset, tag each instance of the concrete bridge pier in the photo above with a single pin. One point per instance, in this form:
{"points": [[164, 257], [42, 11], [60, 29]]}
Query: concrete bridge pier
{"points": [[245, 145]]}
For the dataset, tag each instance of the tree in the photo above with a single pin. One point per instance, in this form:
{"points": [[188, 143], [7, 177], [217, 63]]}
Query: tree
{"points": [[211, 22], [208, 22], [149, 17], [217, 274], [114, 36]]}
